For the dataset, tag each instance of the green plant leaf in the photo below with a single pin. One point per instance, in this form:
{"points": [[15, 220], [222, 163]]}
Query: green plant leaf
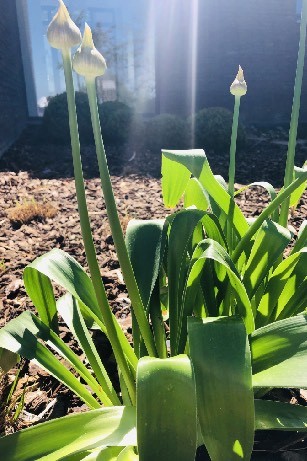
{"points": [[196, 162], [221, 361], [279, 354], [64, 270], [145, 240], [280, 416], [269, 244], [68, 308], [166, 409], [182, 228], [40, 291], [209, 249], [285, 294], [175, 178], [195, 195], [127, 454], [104, 454], [21, 336], [62, 437]]}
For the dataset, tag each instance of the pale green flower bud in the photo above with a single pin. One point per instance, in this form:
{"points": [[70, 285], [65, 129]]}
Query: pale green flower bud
{"points": [[88, 61], [239, 86], [62, 32]]}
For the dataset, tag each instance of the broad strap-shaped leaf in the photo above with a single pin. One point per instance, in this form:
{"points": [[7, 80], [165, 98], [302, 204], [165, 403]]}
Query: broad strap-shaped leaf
{"points": [[166, 409], [22, 336], [280, 416], [195, 195], [182, 228], [221, 361], [68, 308], [279, 354], [209, 249], [64, 270], [285, 286], [40, 291], [175, 177], [59, 438], [269, 244], [145, 240], [196, 162]]}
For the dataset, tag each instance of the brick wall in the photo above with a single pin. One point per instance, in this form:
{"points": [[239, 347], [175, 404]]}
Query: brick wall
{"points": [[261, 35], [13, 105]]}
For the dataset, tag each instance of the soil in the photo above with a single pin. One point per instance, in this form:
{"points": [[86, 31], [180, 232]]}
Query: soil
{"points": [[44, 174]]}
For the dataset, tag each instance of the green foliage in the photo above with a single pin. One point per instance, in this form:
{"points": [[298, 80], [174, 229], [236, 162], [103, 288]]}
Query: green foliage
{"points": [[117, 118], [233, 303], [213, 129], [165, 130]]}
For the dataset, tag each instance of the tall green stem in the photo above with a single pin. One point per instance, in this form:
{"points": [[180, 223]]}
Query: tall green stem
{"points": [[283, 219], [233, 146], [102, 300], [232, 169], [116, 229]]}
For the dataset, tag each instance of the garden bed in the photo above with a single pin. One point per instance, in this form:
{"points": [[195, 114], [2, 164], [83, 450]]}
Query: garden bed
{"points": [[43, 175]]}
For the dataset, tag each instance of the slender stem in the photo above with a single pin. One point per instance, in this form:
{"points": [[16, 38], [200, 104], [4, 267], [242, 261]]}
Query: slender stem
{"points": [[86, 230], [232, 170], [284, 212], [233, 146], [266, 214], [114, 221]]}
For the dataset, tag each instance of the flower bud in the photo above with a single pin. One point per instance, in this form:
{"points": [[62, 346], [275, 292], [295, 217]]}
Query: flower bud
{"points": [[239, 86], [62, 32], [87, 60]]}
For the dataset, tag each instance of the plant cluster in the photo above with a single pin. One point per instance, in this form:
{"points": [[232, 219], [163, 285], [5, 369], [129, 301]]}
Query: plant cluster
{"points": [[234, 304]]}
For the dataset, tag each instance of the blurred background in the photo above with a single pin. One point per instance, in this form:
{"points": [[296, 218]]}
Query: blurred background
{"points": [[164, 57]]}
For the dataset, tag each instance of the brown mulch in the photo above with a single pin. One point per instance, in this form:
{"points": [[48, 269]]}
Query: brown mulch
{"points": [[43, 174]]}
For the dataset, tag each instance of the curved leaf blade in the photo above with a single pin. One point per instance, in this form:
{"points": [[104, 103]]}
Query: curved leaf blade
{"points": [[166, 409], [280, 416], [269, 244], [62, 437], [279, 354], [21, 335], [221, 361]]}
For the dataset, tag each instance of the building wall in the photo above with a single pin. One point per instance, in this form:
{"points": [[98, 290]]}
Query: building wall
{"points": [[261, 35], [13, 103]]}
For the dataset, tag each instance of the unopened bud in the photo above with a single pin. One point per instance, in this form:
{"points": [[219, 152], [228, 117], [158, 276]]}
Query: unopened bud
{"points": [[239, 86], [62, 32], [87, 60]]}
